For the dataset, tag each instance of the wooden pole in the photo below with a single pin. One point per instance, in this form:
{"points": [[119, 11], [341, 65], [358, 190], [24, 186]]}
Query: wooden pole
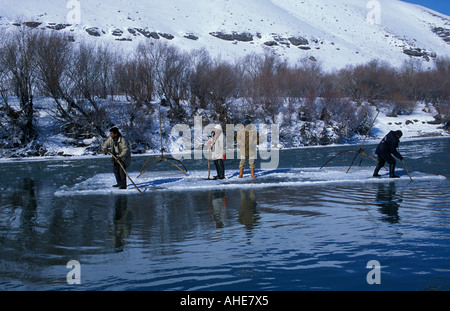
{"points": [[362, 144], [406, 169], [209, 165], [160, 132], [161, 158], [118, 161]]}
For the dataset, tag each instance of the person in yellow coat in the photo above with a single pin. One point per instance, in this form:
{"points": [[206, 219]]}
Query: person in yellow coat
{"points": [[247, 139], [118, 146]]}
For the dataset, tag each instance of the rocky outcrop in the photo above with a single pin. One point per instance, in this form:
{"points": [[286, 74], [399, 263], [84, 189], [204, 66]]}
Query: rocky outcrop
{"points": [[147, 34], [443, 33], [55, 26], [191, 36], [117, 32], [234, 36], [418, 52], [94, 31], [32, 24], [298, 41]]}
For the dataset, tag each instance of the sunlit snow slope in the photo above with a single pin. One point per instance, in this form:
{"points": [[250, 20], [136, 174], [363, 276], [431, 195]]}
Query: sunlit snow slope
{"points": [[337, 32]]}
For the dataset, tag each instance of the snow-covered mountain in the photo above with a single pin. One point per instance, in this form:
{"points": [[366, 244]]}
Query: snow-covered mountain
{"points": [[337, 33]]}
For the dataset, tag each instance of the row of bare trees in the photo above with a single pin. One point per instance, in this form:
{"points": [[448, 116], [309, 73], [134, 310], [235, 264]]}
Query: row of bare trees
{"points": [[85, 80]]}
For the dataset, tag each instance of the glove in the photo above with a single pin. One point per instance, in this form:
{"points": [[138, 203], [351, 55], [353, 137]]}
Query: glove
{"points": [[224, 157], [105, 150]]}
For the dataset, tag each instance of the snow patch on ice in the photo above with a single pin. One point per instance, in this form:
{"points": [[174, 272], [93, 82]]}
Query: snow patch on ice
{"points": [[100, 184]]}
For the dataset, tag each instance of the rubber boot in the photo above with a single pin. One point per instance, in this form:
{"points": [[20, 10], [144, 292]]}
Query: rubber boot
{"points": [[252, 172], [377, 169], [391, 171], [241, 173]]}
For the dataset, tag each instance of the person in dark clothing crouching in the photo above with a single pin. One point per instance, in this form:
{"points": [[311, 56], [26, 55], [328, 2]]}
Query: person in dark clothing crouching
{"points": [[385, 151]]}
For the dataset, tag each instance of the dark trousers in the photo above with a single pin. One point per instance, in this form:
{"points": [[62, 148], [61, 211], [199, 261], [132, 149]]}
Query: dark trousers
{"points": [[382, 159], [121, 178], [220, 168]]}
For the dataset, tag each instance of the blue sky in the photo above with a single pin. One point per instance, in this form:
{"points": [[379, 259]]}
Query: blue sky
{"points": [[442, 6]]}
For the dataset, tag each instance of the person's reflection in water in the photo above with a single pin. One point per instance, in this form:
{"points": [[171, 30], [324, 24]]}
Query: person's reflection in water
{"points": [[122, 222], [26, 200], [247, 213], [389, 201], [218, 207]]}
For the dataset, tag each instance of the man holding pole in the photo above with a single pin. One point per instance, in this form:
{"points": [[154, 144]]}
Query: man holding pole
{"points": [[118, 147], [386, 148]]}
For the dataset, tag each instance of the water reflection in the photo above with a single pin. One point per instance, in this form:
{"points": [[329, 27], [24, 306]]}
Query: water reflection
{"points": [[389, 202], [241, 204], [23, 204], [247, 214], [218, 206], [312, 236], [123, 219]]}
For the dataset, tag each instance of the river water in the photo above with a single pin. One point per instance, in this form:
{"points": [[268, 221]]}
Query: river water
{"points": [[299, 237]]}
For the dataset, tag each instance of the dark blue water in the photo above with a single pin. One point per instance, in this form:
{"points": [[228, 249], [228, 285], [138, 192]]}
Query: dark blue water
{"points": [[314, 237]]}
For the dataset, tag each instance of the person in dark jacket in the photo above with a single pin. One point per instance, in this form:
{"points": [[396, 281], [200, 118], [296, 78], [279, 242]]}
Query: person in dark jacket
{"points": [[385, 151]]}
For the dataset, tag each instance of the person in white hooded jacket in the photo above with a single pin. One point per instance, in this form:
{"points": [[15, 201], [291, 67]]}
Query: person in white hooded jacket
{"points": [[216, 146]]}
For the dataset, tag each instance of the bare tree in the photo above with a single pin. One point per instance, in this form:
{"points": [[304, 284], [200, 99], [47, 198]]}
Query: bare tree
{"points": [[199, 77], [262, 85], [368, 82], [18, 62], [222, 85], [89, 75], [171, 71], [135, 77], [54, 58]]}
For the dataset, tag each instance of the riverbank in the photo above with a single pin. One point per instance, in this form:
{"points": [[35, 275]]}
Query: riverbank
{"points": [[420, 124]]}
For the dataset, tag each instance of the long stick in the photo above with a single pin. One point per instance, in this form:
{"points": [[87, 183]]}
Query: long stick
{"points": [[353, 151], [406, 170], [117, 160], [160, 131], [161, 159], [209, 165], [362, 144]]}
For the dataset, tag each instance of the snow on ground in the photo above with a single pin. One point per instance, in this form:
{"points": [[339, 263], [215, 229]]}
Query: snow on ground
{"points": [[418, 124], [338, 32]]}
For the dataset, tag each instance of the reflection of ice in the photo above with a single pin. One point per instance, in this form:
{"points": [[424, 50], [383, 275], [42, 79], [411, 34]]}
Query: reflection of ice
{"points": [[296, 177]]}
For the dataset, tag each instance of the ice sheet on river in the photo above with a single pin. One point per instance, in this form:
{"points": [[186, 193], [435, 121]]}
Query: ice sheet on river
{"points": [[197, 180]]}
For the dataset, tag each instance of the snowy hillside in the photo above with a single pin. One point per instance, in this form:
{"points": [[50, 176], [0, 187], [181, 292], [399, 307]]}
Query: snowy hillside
{"points": [[335, 32]]}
